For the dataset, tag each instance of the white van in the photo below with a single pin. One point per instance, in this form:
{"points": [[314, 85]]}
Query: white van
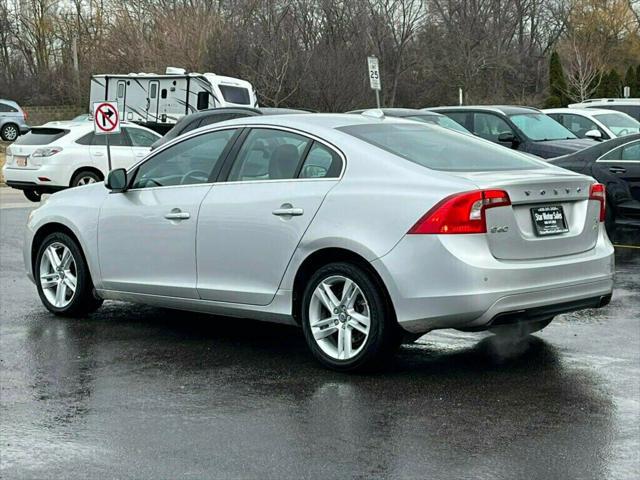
{"points": [[159, 101]]}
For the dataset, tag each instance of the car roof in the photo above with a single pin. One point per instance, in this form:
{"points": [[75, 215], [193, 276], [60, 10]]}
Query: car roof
{"points": [[598, 149], [399, 112], [609, 101], [504, 109], [9, 102], [585, 112]]}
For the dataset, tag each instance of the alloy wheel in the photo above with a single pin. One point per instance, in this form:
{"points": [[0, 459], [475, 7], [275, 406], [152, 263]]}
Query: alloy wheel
{"points": [[339, 317], [86, 180], [58, 275], [10, 133]]}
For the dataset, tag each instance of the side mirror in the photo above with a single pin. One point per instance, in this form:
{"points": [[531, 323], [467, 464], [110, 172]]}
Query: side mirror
{"points": [[117, 180], [595, 134], [506, 137]]}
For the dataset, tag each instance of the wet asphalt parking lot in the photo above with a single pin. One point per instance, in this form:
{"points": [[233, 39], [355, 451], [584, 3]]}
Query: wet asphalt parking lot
{"points": [[140, 392]]}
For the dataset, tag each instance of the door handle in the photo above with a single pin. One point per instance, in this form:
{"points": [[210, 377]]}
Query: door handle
{"points": [[99, 154], [177, 214], [288, 211], [617, 170]]}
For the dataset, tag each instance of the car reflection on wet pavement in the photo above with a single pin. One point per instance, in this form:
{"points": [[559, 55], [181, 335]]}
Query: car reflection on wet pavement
{"points": [[140, 392]]}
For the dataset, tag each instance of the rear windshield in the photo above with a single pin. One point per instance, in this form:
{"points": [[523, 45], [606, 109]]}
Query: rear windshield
{"points": [[440, 149], [41, 136], [237, 95]]}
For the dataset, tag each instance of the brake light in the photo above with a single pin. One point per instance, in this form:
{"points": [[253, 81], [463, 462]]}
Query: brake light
{"points": [[461, 213], [46, 152], [598, 192], [25, 115]]}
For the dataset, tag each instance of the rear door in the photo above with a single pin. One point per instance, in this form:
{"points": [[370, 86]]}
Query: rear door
{"points": [[120, 147], [250, 225]]}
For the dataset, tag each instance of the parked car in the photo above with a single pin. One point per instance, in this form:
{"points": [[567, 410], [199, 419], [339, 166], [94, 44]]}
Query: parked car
{"points": [[596, 123], [216, 115], [630, 106], [357, 229], [58, 155], [616, 164], [521, 128], [424, 116], [83, 117], [13, 120]]}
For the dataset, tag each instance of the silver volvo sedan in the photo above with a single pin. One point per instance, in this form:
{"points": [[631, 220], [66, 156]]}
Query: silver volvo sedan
{"points": [[361, 229]]}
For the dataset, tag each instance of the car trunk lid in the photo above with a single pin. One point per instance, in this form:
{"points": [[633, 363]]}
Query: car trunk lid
{"points": [[512, 233]]}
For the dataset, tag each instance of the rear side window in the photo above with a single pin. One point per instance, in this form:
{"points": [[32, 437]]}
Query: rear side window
{"points": [[237, 95], [41, 136], [463, 118], [628, 152], [439, 149], [115, 140], [269, 155], [4, 108], [321, 162]]}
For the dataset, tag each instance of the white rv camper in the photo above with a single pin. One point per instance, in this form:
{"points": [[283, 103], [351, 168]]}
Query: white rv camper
{"points": [[161, 100]]}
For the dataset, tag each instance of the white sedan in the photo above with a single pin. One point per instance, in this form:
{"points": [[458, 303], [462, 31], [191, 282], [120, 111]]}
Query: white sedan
{"points": [[58, 155]]}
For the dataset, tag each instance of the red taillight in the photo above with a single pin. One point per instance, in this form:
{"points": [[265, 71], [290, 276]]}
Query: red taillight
{"points": [[598, 192], [461, 213], [25, 115]]}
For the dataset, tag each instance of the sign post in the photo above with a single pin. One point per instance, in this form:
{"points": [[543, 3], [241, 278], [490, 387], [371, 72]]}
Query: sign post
{"points": [[374, 77], [106, 121]]}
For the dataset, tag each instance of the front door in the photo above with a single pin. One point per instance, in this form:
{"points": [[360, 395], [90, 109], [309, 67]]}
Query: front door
{"points": [[250, 225], [152, 101], [147, 235]]}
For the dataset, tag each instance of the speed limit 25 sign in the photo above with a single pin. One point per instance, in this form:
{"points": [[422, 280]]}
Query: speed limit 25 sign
{"points": [[374, 73]]}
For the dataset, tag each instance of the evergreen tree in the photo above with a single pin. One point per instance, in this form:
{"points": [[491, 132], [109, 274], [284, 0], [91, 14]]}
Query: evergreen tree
{"points": [[615, 84], [637, 94], [557, 83], [630, 81]]}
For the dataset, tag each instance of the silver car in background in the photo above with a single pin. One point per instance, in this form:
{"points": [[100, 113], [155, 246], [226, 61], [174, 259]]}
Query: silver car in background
{"points": [[13, 120], [361, 230]]}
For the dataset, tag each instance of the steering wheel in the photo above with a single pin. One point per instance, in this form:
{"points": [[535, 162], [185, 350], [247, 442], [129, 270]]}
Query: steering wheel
{"points": [[192, 174], [623, 132]]}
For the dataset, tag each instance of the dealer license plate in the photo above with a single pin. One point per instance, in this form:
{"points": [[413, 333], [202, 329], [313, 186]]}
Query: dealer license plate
{"points": [[549, 220]]}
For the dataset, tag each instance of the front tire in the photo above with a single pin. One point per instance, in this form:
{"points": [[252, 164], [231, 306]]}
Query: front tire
{"points": [[62, 277], [32, 195], [9, 132], [347, 322]]}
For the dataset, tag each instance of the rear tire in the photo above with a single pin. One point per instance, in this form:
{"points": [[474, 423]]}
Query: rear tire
{"points": [[85, 177], [62, 277], [32, 195], [521, 329], [9, 132], [347, 322]]}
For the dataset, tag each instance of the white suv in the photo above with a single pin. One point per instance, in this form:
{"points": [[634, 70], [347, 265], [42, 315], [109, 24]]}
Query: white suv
{"points": [[630, 106], [598, 123], [59, 155]]}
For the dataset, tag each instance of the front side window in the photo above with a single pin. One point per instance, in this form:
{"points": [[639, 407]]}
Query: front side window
{"points": [[619, 124], [189, 162], [321, 162], [578, 125], [269, 155], [141, 138], [439, 149], [490, 126], [540, 127]]}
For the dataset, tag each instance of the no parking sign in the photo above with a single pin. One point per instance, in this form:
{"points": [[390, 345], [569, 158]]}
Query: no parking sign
{"points": [[106, 119]]}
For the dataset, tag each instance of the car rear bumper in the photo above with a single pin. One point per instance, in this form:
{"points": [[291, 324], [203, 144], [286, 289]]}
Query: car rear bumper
{"points": [[454, 282], [33, 178]]}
